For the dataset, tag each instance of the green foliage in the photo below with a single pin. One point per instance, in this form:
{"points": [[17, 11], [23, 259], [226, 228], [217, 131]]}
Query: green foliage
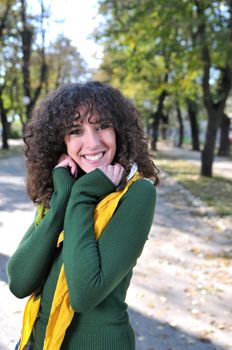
{"points": [[145, 40], [21, 85], [65, 65], [16, 131]]}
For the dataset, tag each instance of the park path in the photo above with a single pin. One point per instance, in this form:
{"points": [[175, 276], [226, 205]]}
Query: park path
{"points": [[180, 296], [222, 166]]}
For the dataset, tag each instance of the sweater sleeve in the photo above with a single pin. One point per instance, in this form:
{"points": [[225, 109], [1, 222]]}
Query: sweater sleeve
{"points": [[31, 261], [94, 268]]}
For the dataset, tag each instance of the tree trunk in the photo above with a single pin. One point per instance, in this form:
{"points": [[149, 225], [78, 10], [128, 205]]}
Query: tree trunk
{"points": [[224, 147], [192, 112], [156, 120], [164, 126], [155, 130], [27, 40], [3, 111], [210, 140], [5, 144], [27, 36], [158, 115], [181, 125], [214, 110]]}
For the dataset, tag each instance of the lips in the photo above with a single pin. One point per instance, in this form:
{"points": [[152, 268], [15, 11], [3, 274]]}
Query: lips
{"points": [[94, 157]]}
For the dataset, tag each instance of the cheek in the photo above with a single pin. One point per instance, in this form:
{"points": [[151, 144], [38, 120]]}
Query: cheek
{"points": [[113, 144], [70, 145], [68, 150], [67, 144], [114, 147], [114, 138]]}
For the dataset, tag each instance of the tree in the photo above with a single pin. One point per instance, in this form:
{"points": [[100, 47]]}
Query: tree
{"points": [[5, 33], [65, 65], [32, 91], [215, 96], [29, 67], [193, 39], [181, 125], [224, 147], [192, 112], [148, 41]]}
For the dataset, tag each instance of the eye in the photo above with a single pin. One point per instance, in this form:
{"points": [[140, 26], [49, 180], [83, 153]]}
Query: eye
{"points": [[76, 131], [102, 126]]}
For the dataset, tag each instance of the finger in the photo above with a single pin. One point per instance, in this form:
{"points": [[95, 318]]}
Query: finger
{"points": [[118, 173], [63, 160], [73, 167], [109, 171], [76, 172], [113, 172], [67, 162], [103, 168]]}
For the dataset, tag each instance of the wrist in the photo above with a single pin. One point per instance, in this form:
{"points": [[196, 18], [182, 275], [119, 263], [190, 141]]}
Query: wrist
{"points": [[94, 183], [62, 180]]}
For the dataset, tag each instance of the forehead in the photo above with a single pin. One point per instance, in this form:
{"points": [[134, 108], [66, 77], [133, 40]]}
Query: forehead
{"points": [[78, 121], [83, 119], [90, 114]]}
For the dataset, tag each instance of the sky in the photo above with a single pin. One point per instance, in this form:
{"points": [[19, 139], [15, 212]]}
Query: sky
{"points": [[77, 20]]}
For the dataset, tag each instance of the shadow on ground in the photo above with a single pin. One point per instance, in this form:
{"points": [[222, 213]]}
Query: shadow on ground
{"points": [[13, 166], [14, 197], [12, 185], [179, 211], [3, 261], [172, 152], [152, 334]]}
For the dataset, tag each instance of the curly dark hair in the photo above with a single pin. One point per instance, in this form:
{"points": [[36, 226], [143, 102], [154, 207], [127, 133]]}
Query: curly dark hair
{"points": [[52, 118]]}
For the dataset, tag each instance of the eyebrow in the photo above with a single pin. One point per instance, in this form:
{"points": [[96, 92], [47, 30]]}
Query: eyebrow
{"points": [[78, 123], [75, 125]]}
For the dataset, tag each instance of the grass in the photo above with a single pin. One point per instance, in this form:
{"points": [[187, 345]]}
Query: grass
{"points": [[216, 192]]}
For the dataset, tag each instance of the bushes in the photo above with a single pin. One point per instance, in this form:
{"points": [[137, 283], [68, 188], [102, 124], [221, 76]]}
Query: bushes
{"points": [[15, 130]]}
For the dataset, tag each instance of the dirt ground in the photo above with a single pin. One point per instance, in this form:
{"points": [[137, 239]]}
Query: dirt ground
{"points": [[180, 295]]}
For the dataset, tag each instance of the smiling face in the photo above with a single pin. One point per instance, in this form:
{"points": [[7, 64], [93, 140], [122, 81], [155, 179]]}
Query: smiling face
{"points": [[92, 144]]}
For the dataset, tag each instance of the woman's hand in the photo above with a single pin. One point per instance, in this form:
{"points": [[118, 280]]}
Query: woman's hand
{"points": [[113, 172], [67, 162]]}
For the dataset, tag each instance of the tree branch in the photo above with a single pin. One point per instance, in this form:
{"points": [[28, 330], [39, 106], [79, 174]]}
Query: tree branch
{"points": [[4, 17]]}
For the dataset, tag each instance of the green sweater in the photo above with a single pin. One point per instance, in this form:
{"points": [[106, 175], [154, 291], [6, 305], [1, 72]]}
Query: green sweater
{"points": [[98, 272]]}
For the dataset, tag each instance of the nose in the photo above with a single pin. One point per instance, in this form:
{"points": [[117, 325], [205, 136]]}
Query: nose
{"points": [[92, 139]]}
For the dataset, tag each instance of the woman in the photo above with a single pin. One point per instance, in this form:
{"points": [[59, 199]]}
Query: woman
{"points": [[87, 160]]}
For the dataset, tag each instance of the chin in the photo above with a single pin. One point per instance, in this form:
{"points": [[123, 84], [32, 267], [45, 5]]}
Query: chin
{"points": [[89, 169]]}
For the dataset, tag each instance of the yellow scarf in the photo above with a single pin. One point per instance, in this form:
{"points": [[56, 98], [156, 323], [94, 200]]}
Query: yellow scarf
{"points": [[61, 313]]}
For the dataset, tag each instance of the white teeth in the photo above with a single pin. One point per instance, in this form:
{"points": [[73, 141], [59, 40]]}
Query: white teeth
{"points": [[96, 157]]}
